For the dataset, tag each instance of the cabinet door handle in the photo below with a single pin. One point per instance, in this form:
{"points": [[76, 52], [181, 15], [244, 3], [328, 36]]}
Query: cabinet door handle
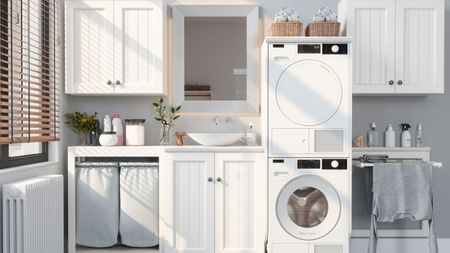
{"points": [[117, 82], [400, 82], [109, 82], [219, 179], [391, 82], [210, 179]]}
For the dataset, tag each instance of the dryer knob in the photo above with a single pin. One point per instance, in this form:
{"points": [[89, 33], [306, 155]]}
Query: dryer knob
{"points": [[334, 164], [335, 48]]}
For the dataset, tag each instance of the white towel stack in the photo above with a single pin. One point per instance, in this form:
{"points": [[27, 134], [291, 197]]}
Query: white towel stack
{"points": [[287, 14], [325, 14]]}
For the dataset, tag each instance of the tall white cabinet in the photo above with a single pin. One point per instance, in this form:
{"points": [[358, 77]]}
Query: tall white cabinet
{"points": [[214, 202], [115, 47], [398, 45]]}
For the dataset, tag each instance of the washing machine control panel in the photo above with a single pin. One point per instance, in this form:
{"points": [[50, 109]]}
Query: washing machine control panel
{"points": [[324, 164]]}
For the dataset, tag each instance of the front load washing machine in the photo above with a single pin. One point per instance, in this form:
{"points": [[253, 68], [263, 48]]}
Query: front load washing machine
{"points": [[309, 97], [308, 205]]}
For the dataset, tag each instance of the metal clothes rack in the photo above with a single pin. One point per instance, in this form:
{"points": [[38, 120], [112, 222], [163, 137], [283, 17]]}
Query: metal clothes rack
{"points": [[367, 161]]}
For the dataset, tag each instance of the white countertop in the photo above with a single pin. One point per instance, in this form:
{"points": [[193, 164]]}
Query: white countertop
{"points": [[149, 151], [258, 149]]}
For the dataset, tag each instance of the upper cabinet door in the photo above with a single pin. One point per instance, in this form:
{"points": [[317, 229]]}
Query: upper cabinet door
{"points": [[138, 47], [188, 203], [89, 46], [240, 203], [420, 46], [372, 26]]}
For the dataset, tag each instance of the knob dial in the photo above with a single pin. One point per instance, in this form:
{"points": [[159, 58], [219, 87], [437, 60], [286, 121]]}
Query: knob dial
{"points": [[334, 164], [210, 179], [335, 48], [219, 179]]}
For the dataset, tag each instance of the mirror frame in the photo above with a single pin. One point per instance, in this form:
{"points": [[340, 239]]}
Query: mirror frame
{"points": [[251, 12]]}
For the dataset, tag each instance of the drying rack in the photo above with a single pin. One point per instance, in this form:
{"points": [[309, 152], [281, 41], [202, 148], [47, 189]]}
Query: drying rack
{"points": [[366, 161]]}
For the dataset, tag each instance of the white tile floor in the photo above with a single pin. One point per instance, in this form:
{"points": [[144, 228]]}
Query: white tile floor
{"points": [[121, 249]]}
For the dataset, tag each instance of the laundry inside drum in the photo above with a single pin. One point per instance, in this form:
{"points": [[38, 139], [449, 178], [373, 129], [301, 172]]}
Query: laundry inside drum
{"points": [[307, 207]]}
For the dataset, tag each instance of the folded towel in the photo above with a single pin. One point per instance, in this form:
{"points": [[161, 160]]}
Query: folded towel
{"points": [[402, 190]]}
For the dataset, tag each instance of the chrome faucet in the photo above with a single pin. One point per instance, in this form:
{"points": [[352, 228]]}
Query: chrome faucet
{"points": [[216, 120]]}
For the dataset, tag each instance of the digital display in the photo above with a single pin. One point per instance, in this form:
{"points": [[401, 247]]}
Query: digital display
{"points": [[308, 164], [309, 48]]}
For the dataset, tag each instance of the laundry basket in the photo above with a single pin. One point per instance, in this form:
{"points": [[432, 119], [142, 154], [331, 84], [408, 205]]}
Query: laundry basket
{"points": [[139, 208], [97, 204]]}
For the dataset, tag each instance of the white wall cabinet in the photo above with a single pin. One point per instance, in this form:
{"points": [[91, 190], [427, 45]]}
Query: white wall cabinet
{"points": [[398, 45], [115, 47], [215, 203]]}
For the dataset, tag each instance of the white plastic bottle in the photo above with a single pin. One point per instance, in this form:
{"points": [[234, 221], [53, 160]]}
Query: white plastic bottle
{"points": [[389, 137], [406, 136], [107, 123], [118, 128]]}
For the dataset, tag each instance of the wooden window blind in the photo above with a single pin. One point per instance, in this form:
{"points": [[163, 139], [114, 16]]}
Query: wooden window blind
{"points": [[29, 72]]}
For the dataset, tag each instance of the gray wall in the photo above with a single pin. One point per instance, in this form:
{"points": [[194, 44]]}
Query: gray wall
{"points": [[431, 111]]}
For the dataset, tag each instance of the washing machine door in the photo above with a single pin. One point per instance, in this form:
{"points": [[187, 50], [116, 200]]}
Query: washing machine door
{"points": [[309, 92], [308, 207]]}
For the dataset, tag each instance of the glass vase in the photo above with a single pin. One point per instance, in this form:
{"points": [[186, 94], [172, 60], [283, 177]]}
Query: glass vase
{"points": [[83, 139], [164, 136]]}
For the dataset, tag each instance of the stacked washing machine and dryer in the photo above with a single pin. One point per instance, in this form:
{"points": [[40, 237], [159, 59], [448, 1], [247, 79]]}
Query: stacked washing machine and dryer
{"points": [[309, 144]]}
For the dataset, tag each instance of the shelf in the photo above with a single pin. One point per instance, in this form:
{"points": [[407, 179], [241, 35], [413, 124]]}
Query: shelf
{"points": [[121, 249]]}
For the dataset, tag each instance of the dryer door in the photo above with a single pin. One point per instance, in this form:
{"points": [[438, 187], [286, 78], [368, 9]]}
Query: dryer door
{"points": [[308, 207], [309, 92]]}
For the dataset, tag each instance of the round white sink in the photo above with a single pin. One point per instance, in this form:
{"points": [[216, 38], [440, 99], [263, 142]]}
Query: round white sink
{"points": [[216, 139]]}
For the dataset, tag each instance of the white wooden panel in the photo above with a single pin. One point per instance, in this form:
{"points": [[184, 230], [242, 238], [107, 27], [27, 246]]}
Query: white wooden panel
{"points": [[139, 47], [190, 227], [371, 24], [89, 46], [240, 202], [420, 46]]}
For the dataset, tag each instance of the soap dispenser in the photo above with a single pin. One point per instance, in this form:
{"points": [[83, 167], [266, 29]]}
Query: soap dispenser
{"points": [[250, 137], [406, 135], [389, 137], [372, 136]]}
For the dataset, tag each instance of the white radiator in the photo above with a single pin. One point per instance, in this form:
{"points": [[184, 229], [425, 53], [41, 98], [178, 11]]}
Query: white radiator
{"points": [[33, 215]]}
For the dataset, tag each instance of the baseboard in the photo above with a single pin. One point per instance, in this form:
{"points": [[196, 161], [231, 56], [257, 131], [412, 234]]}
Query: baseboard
{"points": [[398, 245]]}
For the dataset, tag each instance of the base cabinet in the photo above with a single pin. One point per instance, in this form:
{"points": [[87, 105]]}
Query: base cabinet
{"points": [[215, 202]]}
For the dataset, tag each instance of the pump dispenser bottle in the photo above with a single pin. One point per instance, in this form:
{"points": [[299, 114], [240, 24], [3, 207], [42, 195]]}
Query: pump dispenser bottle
{"points": [[406, 135], [389, 137], [372, 136], [419, 136]]}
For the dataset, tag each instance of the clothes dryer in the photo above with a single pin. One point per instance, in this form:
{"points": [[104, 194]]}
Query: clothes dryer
{"points": [[309, 97]]}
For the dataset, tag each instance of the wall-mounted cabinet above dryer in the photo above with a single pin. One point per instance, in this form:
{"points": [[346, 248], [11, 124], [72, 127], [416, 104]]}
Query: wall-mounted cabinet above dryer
{"points": [[398, 45], [115, 47]]}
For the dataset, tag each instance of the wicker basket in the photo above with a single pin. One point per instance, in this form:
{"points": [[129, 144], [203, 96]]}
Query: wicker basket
{"points": [[286, 29], [323, 29]]}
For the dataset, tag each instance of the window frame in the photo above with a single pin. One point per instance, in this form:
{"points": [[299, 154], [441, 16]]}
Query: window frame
{"points": [[9, 162]]}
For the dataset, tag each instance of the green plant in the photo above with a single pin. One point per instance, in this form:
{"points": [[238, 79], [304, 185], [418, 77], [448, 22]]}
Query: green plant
{"points": [[81, 122], [166, 116]]}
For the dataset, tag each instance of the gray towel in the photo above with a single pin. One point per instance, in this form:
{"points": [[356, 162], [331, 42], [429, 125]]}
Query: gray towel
{"points": [[402, 190]]}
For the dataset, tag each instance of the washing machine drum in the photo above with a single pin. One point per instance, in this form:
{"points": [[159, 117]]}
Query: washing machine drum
{"points": [[309, 92], [308, 207]]}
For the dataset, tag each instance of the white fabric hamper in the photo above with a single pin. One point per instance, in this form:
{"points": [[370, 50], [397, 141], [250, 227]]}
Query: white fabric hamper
{"points": [[97, 204], [139, 208]]}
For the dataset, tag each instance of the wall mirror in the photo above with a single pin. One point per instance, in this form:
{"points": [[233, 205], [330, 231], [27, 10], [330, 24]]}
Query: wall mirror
{"points": [[216, 58]]}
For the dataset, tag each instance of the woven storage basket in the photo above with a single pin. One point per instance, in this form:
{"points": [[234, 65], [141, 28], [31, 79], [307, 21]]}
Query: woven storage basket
{"points": [[323, 29], [286, 29]]}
